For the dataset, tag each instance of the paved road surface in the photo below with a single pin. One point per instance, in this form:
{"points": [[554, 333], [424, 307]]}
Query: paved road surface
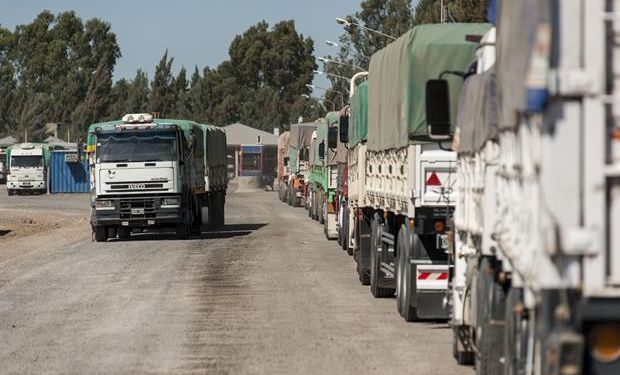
{"points": [[268, 295]]}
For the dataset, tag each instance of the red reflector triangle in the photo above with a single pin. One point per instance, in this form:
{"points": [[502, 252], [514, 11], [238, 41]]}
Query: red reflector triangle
{"points": [[433, 180]]}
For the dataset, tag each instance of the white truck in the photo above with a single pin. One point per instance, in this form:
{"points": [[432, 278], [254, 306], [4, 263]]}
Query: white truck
{"points": [[404, 201], [27, 168], [536, 283], [156, 173]]}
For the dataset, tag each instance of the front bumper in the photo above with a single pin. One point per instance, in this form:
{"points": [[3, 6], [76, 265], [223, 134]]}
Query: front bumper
{"points": [[25, 185], [137, 212]]}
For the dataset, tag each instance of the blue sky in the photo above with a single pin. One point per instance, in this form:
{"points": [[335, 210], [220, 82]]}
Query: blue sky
{"points": [[194, 32]]}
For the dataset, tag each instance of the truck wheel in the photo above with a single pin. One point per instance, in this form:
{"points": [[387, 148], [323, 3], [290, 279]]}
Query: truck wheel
{"points": [[405, 284], [182, 231], [10, 192], [344, 232], [376, 276], [100, 233], [515, 336], [362, 232], [123, 233], [490, 331], [462, 357], [222, 210]]}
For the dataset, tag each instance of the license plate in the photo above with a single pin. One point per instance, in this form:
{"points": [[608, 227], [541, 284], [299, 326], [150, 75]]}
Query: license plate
{"points": [[443, 241], [137, 211]]}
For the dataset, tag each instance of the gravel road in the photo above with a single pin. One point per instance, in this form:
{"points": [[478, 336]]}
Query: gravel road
{"points": [[267, 295]]}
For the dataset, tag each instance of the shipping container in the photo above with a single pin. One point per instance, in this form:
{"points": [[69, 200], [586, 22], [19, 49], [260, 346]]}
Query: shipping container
{"points": [[69, 172]]}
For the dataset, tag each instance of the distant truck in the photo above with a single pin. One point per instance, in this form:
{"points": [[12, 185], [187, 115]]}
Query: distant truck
{"points": [[284, 169], [27, 168], [325, 156], [2, 173], [156, 173], [299, 154]]}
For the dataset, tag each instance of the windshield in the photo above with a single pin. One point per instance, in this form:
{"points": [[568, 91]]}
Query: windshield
{"points": [[26, 161], [136, 147]]}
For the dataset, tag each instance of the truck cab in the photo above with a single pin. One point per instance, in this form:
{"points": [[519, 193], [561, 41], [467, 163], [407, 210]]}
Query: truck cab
{"points": [[145, 173], [27, 169]]}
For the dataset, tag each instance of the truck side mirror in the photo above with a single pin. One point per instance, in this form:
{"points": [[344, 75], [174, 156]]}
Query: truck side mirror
{"points": [[322, 150], [438, 109], [344, 129], [332, 137]]}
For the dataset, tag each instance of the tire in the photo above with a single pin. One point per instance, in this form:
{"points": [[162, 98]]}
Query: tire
{"points": [[463, 358], [182, 231], [375, 262], [490, 340], [123, 233], [10, 192], [363, 251], [344, 231], [405, 283], [100, 233], [515, 339]]}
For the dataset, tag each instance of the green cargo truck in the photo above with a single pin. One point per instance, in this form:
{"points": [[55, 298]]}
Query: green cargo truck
{"points": [[326, 153], [403, 206], [156, 173]]}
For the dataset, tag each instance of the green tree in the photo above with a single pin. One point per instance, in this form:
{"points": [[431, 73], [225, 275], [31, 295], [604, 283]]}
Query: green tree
{"points": [[429, 11], [390, 17], [162, 98], [49, 68], [267, 73], [138, 94], [182, 105]]}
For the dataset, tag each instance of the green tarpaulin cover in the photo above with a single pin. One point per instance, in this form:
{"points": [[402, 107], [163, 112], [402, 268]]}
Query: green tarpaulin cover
{"points": [[358, 121], [398, 75]]}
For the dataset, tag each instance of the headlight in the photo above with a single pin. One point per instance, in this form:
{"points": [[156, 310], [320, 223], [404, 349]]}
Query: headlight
{"points": [[171, 201], [104, 205]]}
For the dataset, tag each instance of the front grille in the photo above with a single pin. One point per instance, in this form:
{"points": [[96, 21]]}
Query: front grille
{"points": [[137, 208]]}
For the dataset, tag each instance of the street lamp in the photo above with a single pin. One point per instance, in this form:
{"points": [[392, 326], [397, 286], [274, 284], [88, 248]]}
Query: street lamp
{"points": [[326, 60], [320, 100], [342, 94], [338, 45], [346, 23], [332, 75]]}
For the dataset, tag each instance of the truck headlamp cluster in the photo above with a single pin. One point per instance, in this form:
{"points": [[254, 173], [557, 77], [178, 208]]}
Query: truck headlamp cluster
{"points": [[104, 205], [171, 202]]}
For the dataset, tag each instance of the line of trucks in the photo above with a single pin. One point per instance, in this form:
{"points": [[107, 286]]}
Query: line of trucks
{"points": [[475, 177]]}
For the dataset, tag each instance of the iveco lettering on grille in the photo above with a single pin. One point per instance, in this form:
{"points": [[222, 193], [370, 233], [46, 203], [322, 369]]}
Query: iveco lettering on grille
{"points": [[137, 186]]}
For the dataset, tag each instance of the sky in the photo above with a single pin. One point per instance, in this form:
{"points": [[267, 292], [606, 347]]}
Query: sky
{"points": [[195, 32]]}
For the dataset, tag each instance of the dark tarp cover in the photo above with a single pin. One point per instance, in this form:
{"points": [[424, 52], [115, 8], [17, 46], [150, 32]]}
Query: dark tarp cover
{"points": [[301, 134], [300, 138], [398, 76], [477, 113], [358, 121], [332, 156], [516, 26]]}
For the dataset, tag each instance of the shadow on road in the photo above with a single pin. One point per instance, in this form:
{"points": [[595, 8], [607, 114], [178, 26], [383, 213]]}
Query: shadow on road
{"points": [[229, 231]]}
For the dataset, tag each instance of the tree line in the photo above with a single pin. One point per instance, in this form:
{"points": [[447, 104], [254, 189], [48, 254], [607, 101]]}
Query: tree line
{"points": [[392, 18], [59, 69]]}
